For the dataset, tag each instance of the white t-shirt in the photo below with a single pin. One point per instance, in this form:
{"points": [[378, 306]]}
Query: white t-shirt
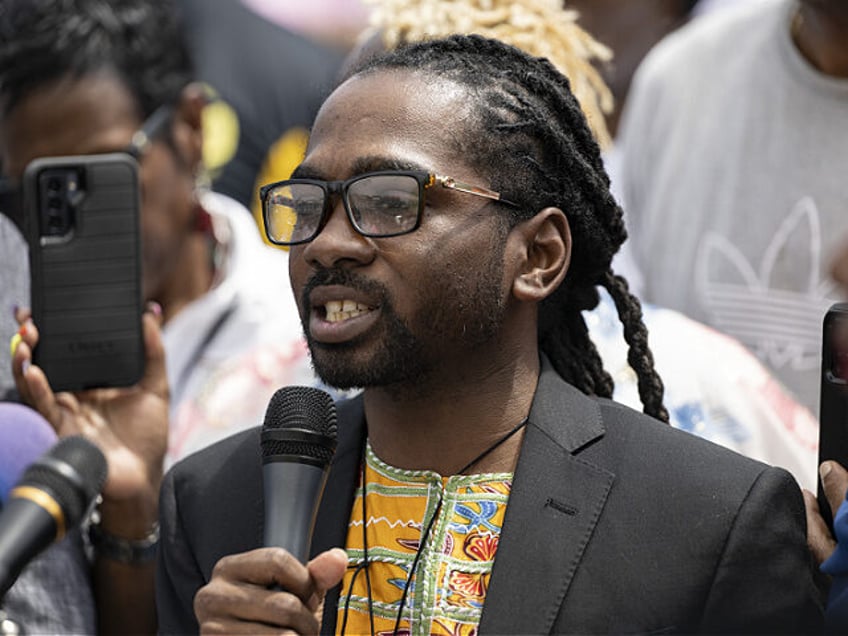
{"points": [[734, 153]]}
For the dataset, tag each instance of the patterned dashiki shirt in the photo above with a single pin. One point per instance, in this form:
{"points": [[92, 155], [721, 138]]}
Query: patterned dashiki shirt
{"points": [[447, 592]]}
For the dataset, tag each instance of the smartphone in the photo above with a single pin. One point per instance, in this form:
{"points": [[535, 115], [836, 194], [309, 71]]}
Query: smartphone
{"points": [[833, 406], [82, 225]]}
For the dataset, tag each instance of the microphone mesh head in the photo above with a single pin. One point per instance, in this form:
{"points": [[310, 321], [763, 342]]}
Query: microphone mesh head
{"points": [[300, 408], [73, 471]]}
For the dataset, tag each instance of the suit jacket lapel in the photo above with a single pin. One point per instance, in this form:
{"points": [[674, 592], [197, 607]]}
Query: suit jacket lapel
{"points": [[554, 505], [334, 512]]}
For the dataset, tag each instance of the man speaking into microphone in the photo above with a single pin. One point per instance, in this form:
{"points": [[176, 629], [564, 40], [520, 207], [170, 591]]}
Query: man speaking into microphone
{"points": [[449, 224]]}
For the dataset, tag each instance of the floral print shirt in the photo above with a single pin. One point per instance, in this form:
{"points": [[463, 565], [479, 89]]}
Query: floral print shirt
{"points": [[448, 588]]}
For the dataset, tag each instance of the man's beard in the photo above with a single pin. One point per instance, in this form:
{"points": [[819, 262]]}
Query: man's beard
{"points": [[397, 357], [451, 319]]}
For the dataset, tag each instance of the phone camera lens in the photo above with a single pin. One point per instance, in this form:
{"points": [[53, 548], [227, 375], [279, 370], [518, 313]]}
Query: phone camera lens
{"points": [[54, 184]]}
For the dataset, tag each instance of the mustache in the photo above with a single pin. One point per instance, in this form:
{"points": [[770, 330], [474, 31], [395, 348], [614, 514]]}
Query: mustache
{"points": [[346, 278]]}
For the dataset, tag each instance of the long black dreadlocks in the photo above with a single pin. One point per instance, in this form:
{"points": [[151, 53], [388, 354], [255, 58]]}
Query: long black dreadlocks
{"points": [[526, 105]]}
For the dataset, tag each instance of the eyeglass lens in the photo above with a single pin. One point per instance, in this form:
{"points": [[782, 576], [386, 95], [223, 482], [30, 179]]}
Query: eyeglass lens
{"points": [[379, 205]]}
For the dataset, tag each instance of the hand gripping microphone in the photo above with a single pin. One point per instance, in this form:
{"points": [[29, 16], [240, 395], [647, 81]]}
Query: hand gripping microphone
{"points": [[24, 437], [298, 441], [52, 496]]}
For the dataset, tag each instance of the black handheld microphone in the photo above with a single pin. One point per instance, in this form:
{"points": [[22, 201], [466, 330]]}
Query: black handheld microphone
{"points": [[52, 495], [298, 441]]}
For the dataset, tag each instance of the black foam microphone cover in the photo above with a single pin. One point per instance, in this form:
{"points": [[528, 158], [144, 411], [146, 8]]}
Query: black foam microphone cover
{"points": [[298, 441]]}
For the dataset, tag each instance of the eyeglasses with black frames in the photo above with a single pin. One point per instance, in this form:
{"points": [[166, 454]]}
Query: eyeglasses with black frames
{"points": [[378, 204], [11, 196]]}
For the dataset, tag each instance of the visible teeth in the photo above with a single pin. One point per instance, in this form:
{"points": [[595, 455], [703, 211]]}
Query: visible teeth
{"points": [[338, 310]]}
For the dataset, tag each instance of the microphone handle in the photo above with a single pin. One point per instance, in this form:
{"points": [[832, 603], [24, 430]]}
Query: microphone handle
{"points": [[25, 529], [292, 494]]}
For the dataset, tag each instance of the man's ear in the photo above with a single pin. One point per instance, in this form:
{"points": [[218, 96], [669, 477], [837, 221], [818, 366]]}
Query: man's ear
{"points": [[188, 124], [546, 253]]}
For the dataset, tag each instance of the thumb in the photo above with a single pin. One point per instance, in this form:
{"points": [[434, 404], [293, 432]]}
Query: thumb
{"points": [[834, 483], [155, 378], [326, 570]]}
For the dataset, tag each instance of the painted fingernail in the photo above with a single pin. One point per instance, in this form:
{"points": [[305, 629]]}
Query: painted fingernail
{"points": [[14, 342], [154, 308], [25, 366]]}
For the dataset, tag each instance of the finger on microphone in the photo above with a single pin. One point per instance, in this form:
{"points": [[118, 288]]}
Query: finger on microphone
{"points": [[266, 567], [328, 568], [240, 592]]}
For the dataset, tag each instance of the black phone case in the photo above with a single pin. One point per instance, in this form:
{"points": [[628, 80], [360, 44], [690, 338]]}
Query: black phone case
{"points": [[833, 407], [86, 285]]}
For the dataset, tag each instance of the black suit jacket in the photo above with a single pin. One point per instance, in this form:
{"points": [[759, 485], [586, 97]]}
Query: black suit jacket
{"points": [[616, 523]]}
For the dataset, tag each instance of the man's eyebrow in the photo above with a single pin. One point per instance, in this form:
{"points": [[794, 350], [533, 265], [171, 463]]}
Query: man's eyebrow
{"points": [[360, 166], [305, 172], [375, 163]]}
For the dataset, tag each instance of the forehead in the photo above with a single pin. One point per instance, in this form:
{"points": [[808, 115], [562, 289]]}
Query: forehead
{"points": [[94, 113], [401, 115]]}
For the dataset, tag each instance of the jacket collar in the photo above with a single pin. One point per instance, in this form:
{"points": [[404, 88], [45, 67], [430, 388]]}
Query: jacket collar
{"points": [[554, 506]]}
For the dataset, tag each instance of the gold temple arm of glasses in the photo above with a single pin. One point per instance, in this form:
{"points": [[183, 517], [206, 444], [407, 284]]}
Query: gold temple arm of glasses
{"points": [[453, 184]]}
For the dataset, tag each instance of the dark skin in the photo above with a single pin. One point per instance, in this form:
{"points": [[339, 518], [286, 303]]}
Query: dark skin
{"points": [[835, 484], [93, 114], [630, 28], [469, 393], [821, 34]]}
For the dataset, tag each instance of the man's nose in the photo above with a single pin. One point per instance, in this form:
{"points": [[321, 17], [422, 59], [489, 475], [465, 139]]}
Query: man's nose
{"points": [[338, 240]]}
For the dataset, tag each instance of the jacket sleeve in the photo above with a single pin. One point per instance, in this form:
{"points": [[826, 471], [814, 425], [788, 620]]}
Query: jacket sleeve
{"points": [[764, 581], [178, 575]]}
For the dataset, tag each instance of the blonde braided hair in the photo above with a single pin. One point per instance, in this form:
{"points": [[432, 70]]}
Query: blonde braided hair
{"points": [[542, 28]]}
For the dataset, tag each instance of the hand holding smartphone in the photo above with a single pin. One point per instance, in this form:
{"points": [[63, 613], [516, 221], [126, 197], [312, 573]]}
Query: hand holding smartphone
{"points": [[82, 218], [833, 407]]}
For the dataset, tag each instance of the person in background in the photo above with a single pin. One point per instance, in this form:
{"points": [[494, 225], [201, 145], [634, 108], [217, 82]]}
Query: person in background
{"points": [[453, 194], [81, 77], [256, 128], [732, 144], [629, 29], [714, 387]]}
